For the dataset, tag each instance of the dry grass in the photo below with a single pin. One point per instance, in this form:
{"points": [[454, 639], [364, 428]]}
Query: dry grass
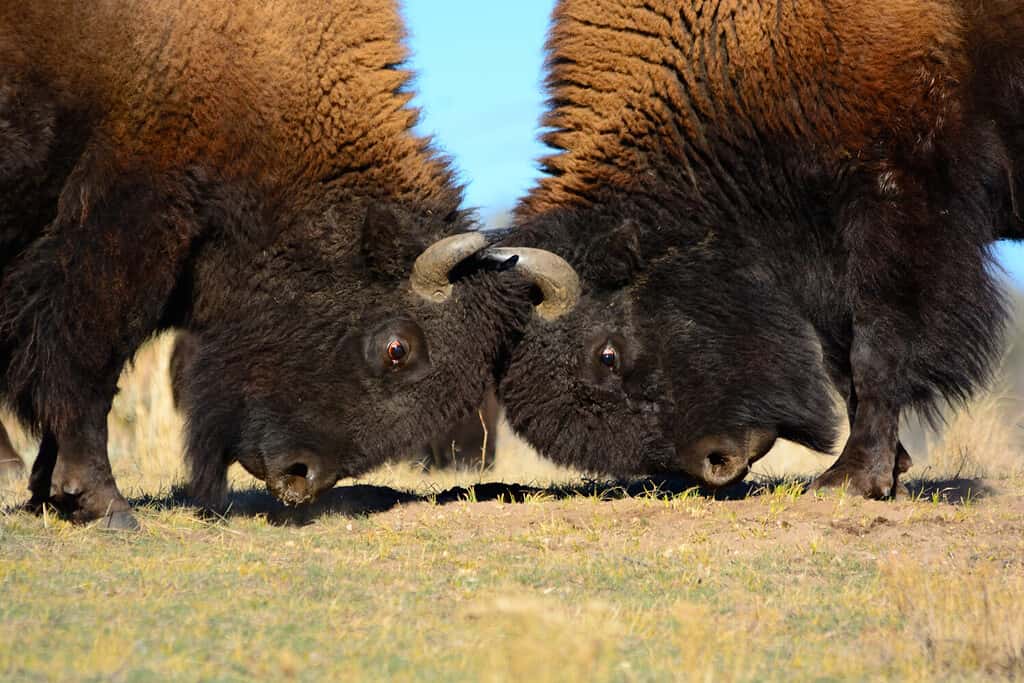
{"points": [[985, 439], [775, 587], [383, 584], [978, 625]]}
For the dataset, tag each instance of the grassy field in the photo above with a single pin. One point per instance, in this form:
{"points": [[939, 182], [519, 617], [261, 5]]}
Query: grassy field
{"points": [[447, 576]]}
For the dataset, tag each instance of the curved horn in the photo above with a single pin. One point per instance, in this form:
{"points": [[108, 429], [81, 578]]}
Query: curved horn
{"points": [[430, 272], [555, 278]]}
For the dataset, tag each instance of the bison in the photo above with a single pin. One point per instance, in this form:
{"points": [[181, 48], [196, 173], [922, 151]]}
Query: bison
{"points": [[763, 202], [245, 171]]}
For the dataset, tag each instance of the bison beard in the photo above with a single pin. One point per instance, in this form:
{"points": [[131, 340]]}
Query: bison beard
{"points": [[245, 171], [765, 202]]}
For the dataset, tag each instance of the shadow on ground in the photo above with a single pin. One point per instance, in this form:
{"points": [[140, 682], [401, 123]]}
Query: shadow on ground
{"points": [[952, 491], [364, 499]]}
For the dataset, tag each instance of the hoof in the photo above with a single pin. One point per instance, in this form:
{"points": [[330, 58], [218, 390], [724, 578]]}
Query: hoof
{"points": [[856, 482], [34, 505], [120, 520]]}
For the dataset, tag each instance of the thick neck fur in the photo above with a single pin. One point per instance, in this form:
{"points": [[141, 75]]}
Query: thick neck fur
{"points": [[646, 93], [290, 92]]}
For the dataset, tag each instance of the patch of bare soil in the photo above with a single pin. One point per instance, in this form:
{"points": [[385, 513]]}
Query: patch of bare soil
{"points": [[932, 528]]}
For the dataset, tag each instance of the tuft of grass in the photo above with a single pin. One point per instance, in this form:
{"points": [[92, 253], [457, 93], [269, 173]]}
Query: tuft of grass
{"points": [[522, 629]]}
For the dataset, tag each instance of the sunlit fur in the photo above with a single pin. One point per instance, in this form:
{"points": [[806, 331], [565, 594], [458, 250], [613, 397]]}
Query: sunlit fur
{"points": [[738, 184]]}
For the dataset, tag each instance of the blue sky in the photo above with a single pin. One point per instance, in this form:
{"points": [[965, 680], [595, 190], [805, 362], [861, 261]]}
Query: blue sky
{"points": [[479, 85]]}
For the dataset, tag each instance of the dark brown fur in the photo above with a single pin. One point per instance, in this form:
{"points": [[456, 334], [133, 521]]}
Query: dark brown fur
{"points": [[469, 444]]}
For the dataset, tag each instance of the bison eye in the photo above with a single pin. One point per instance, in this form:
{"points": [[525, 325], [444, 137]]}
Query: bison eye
{"points": [[397, 351], [609, 357]]}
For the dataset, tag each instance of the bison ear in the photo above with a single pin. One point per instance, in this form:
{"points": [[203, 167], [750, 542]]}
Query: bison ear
{"points": [[615, 257], [387, 247]]}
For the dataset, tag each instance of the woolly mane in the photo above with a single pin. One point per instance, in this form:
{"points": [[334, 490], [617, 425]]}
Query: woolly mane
{"points": [[637, 85]]}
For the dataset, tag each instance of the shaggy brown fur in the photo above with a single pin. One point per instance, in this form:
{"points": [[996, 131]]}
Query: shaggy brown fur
{"points": [[759, 196], [245, 170], [638, 82], [287, 92]]}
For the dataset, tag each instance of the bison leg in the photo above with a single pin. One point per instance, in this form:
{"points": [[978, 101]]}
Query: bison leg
{"points": [[42, 472], [873, 457], [79, 485], [82, 484], [926, 313], [903, 460], [77, 305]]}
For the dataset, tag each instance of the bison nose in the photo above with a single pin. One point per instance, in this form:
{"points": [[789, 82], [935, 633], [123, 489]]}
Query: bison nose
{"points": [[721, 460], [302, 480], [722, 467]]}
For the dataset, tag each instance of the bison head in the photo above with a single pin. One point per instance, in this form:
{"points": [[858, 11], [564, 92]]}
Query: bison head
{"points": [[670, 360], [314, 355]]}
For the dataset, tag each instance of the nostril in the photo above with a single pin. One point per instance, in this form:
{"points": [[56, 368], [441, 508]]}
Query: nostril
{"points": [[297, 470], [718, 459]]}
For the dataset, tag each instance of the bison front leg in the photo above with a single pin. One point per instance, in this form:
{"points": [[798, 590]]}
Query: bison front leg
{"points": [[82, 483], [851, 472], [41, 479], [76, 306], [79, 483], [77, 480], [926, 314], [873, 457]]}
